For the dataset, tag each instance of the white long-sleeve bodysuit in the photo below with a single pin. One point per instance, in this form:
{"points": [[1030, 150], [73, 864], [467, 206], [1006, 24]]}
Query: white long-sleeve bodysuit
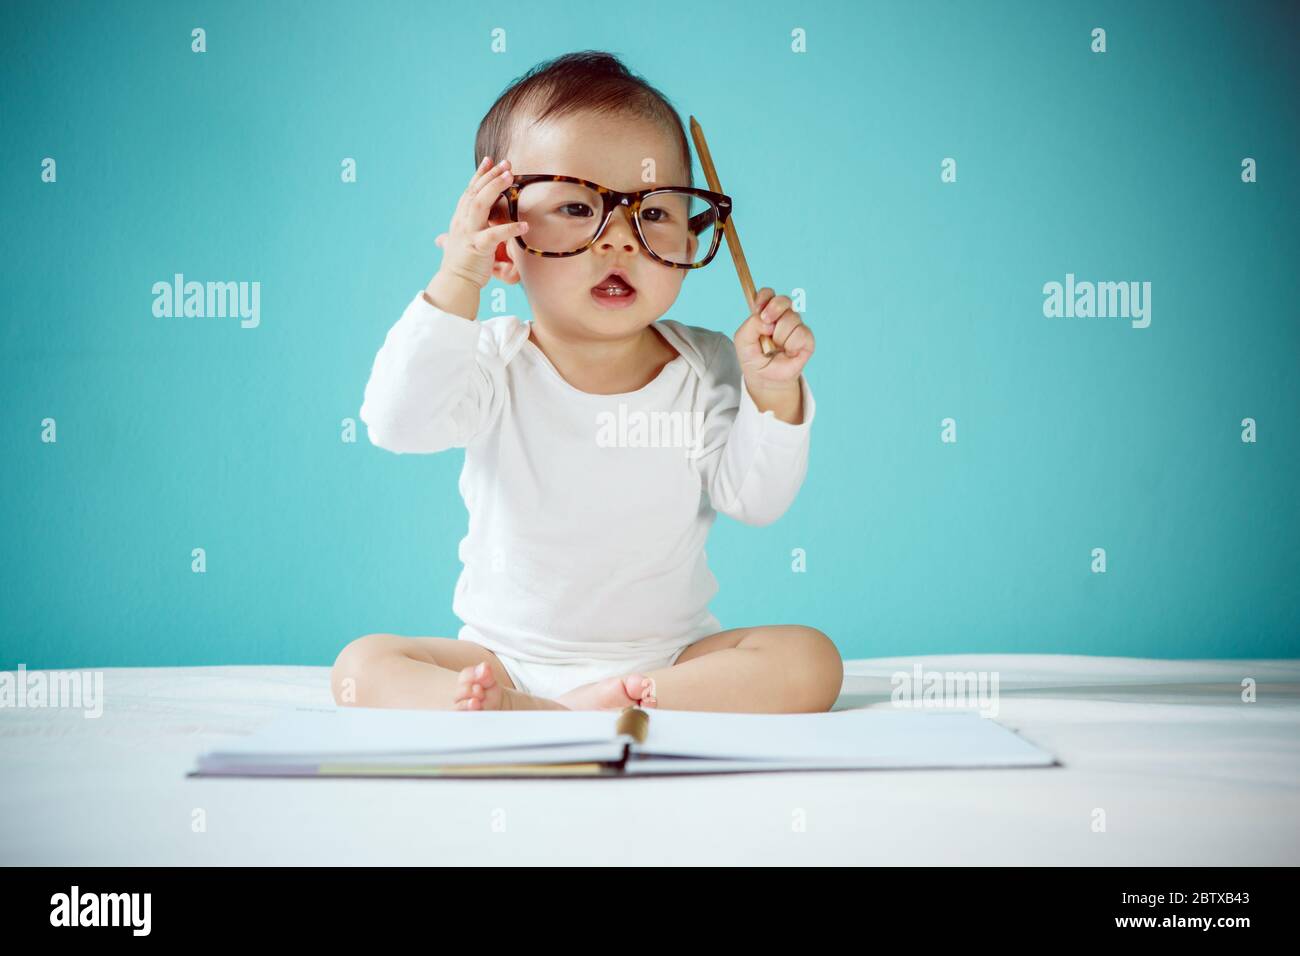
{"points": [[588, 513]]}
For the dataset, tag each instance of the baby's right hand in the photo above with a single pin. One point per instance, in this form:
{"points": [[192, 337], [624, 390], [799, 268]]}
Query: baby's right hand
{"points": [[469, 244]]}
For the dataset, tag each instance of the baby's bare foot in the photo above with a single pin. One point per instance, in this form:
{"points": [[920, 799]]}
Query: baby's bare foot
{"points": [[611, 693], [648, 698], [477, 689]]}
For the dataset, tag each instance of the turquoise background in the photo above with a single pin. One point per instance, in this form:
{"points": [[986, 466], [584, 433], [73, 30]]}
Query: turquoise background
{"points": [[926, 299]]}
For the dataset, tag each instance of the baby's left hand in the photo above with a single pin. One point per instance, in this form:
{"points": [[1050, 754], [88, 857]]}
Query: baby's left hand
{"points": [[773, 317]]}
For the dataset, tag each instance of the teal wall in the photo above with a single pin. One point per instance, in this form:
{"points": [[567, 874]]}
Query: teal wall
{"points": [[926, 299]]}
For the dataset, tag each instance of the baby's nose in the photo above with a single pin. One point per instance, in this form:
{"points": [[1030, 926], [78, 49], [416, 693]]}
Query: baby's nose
{"points": [[620, 229]]}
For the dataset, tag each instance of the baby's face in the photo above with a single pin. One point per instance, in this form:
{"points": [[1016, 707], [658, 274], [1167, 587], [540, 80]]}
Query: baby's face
{"points": [[610, 151]]}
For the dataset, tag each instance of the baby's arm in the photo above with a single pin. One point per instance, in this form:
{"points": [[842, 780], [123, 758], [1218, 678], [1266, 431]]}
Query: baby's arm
{"points": [[431, 387], [436, 381], [752, 463]]}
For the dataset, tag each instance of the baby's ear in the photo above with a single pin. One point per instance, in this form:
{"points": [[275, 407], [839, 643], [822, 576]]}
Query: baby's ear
{"points": [[503, 266]]}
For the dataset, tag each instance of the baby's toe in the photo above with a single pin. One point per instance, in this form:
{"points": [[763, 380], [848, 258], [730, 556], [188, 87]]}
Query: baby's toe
{"points": [[472, 686], [476, 679], [648, 698], [635, 685]]}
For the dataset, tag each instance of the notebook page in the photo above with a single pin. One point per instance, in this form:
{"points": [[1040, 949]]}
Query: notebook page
{"points": [[384, 730], [871, 736], [560, 753]]}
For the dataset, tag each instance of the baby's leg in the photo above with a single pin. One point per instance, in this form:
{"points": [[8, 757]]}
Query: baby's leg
{"points": [[781, 668], [438, 673]]}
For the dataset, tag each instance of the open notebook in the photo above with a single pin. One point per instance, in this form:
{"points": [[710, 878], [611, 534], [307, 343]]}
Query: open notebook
{"points": [[386, 742]]}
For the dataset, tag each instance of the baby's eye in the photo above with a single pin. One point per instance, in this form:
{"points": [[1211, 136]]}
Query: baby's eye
{"points": [[577, 205], [657, 216]]}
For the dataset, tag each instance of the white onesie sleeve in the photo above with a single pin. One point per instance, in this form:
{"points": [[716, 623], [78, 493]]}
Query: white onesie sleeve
{"points": [[752, 464], [436, 382]]}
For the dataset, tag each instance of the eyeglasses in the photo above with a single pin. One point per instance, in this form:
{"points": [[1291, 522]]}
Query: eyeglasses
{"points": [[679, 226]]}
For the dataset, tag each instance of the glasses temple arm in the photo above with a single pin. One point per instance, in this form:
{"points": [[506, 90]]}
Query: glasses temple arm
{"points": [[701, 221]]}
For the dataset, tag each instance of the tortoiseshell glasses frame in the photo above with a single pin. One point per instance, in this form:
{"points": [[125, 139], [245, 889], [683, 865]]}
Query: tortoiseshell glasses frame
{"points": [[716, 214]]}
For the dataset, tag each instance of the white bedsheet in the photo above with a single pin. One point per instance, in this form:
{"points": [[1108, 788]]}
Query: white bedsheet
{"points": [[1184, 772]]}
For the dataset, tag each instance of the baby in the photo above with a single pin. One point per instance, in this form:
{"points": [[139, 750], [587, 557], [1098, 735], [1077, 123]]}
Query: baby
{"points": [[600, 438]]}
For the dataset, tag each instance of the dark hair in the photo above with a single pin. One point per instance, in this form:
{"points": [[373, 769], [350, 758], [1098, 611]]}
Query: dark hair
{"points": [[587, 81]]}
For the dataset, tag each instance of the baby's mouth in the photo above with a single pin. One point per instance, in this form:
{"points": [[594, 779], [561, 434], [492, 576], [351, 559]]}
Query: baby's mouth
{"points": [[613, 286]]}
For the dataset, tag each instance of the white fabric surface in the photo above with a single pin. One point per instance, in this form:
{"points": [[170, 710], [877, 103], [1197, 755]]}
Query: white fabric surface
{"points": [[552, 680], [1185, 772], [583, 544]]}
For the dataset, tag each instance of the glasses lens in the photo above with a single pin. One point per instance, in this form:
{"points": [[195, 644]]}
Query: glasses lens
{"points": [[679, 227], [564, 217], [561, 217]]}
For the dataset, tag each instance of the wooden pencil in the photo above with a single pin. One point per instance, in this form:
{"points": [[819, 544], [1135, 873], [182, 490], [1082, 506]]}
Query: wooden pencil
{"points": [[733, 240]]}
